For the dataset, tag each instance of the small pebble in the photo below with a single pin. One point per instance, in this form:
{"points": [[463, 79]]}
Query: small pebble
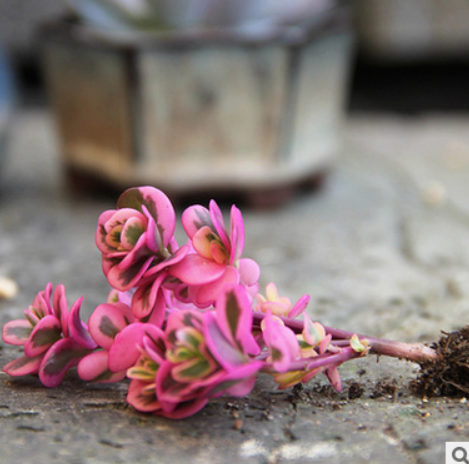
{"points": [[238, 424], [434, 194], [8, 288]]}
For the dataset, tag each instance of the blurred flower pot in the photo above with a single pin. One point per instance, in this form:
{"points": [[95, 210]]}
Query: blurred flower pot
{"points": [[250, 112]]}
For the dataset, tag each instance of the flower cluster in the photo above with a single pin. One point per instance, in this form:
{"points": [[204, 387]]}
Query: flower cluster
{"points": [[185, 324]]}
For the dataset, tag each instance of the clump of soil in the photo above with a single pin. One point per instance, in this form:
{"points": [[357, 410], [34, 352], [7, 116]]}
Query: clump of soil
{"points": [[385, 389], [355, 391], [448, 375]]}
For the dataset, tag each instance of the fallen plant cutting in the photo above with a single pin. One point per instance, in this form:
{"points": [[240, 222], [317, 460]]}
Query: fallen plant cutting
{"points": [[187, 323]]}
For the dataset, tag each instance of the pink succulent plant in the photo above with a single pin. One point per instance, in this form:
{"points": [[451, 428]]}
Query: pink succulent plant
{"points": [[54, 338], [184, 324]]}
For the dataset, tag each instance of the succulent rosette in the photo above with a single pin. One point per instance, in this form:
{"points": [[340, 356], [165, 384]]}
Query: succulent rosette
{"points": [[215, 258], [137, 237], [54, 338], [200, 356], [142, 393]]}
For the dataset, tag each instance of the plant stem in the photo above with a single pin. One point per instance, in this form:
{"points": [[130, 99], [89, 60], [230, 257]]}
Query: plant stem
{"points": [[324, 360], [416, 352]]}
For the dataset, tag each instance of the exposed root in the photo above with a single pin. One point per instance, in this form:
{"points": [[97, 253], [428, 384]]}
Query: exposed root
{"points": [[448, 374]]}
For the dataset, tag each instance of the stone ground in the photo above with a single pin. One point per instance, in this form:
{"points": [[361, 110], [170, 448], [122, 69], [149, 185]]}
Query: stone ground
{"points": [[383, 249]]}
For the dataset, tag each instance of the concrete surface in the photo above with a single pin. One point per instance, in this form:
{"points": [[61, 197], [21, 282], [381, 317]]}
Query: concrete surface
{"points": [[383, 249]]}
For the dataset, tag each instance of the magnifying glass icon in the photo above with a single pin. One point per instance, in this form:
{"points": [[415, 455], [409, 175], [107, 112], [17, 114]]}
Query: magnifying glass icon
{"points": [[459, 454]]}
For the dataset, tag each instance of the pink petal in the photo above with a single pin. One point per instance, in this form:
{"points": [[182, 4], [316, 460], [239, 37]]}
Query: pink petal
{"points": [[185, 408], [207, 294], [125, 350], [275, 307], [310, 375], [120, 297], [249, 271], [191, 370], [157, 204], [196, 270], [111, 261], [154, 343], [101, 232], [202, 241], [17, 332], [60, 307], [181, 319], [299, 307], [167, 389], [113, 296], [176, 399], [219, 224], [200, 387], [78, 329], [234, 314], [111, 234], [219, 252], [154, 238], [313, 332], [137, 253], [324, 345], [23, 366], [237, 235], [175, 258], [107, 320], [41, 306], [94, 368], [113, 237], [127, 273], [131, 232], [239, 382], [145, 298], [194, 218], [46, 299], [178, 296], [282, 343], [141, 400], [334, 378], [228, 356], [63, 355], [158, 313], [31, 316], [46, 332], [121, 216]]}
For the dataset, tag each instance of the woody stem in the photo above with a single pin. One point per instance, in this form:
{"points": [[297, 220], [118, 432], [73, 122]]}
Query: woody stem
{"points": [[416, 352]]}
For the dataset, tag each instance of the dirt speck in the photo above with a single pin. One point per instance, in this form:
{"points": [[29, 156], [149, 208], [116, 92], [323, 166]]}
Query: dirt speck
{"points": [[355, 391], [385, 389]]}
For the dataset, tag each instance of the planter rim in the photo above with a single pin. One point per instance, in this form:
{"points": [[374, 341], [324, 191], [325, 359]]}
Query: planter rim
{"points": [[332, 19]]}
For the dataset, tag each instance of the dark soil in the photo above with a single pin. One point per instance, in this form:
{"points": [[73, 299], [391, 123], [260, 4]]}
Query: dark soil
{"points": [[449, 374]]}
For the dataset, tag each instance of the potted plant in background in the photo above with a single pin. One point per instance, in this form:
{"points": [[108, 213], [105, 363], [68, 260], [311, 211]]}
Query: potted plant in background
{"points": [[230, 96]]}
